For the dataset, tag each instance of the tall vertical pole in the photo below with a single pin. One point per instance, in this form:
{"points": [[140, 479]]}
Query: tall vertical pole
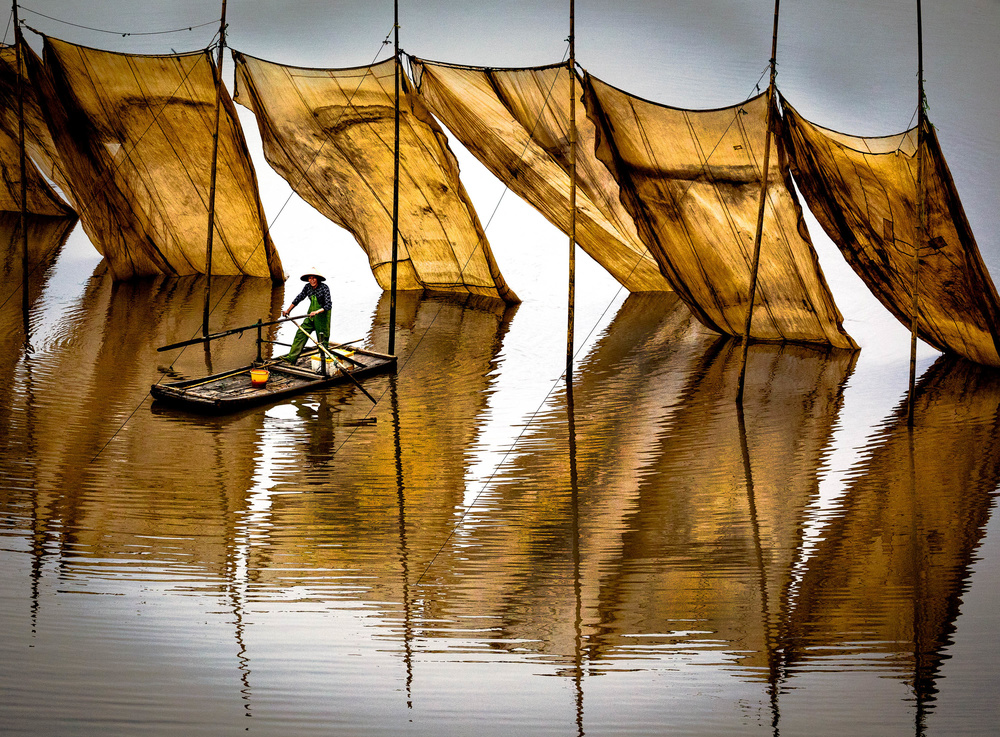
{"points": [[571, 297], [395, 193], [215, 168], [24, 183], [921, 213], [760, 207]]}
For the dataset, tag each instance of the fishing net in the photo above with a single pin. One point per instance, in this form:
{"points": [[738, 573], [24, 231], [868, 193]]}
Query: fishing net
{"points": [[134, 135], [864, 193], [691, 181], [331, 132]]}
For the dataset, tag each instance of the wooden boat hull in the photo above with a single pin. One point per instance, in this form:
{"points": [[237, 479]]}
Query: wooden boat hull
{"points": [[231, 391]]}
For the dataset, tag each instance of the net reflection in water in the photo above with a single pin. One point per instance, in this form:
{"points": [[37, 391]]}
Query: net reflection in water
{"points": [[310, 568]]}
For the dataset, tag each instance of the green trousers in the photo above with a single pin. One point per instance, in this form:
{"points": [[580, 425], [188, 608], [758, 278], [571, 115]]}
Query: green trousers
{"points": [[321, 324]]}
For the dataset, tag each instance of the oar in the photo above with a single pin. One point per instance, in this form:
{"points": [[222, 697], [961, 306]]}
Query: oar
{"points": [[214, 336], [342, 370]]}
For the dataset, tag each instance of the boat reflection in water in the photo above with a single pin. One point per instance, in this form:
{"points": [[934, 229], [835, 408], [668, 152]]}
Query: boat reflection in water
{"points": [[641, 536], [387, 488]]}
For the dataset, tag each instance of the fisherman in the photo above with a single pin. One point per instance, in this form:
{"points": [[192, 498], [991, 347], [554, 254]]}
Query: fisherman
{"points": [[320, 307]]}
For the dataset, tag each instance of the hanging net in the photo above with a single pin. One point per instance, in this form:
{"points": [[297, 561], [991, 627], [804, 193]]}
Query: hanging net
{"points": [[864, 193], [516, 122], [134, 135], [691, 181], [330, 133]]}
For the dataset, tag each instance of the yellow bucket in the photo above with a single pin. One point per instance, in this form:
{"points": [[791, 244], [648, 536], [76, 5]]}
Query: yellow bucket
{"points": [[259, 377]]}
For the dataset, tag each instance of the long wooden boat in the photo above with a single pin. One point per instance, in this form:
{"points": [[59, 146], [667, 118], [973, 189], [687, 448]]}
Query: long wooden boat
{"points": [[231, 391]]}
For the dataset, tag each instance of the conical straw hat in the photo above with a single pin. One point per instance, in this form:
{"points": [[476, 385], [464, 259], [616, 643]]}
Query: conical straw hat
{"points": [[313, 272]]}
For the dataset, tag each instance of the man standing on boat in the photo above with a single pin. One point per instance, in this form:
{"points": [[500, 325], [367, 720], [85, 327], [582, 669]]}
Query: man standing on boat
{"points": [[320, 307]]}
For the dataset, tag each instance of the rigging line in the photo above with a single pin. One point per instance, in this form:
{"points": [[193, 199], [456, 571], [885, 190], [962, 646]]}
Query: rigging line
{"points": [[488, 480], [115, 168], [510, 450], [131, 415], [909, 125], [739, 111], [438, 313], [119, 33], [228, 287], [497, 468], [10, 19]]}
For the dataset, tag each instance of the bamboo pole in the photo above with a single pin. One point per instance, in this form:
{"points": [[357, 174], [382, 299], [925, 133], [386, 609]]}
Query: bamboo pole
{"points": [[24, 185], [215, 167], [395, 192], [571, 290], [760, 207], [921, 214]]}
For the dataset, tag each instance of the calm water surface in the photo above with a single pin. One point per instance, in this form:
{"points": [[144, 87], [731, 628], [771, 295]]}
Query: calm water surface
{"points": [[499, 552]]}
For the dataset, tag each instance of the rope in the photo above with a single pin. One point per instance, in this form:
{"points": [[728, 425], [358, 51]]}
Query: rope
{"points": [[909, 125], [119, 33]]}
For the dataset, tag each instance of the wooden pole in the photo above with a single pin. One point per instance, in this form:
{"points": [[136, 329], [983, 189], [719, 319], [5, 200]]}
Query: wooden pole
{"points": [[395, 193], [24, 184], [571, 296], [760, 207], [215, 167], [921, 214]]}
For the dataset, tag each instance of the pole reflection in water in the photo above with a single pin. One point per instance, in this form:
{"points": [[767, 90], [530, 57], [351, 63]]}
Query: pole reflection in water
{"points": [[774, 665], [18, 417], [404, 566], [577, 586]]}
